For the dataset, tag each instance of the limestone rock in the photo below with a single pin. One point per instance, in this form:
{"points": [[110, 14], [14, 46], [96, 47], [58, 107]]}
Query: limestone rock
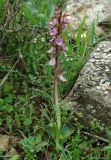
{"points": [[11, 152], [91, 9], [91, 94], [4, 142]]}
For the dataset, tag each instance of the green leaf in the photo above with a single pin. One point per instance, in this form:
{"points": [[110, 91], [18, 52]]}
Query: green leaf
{"points": [[1, 102], [17, 120], [42, 19], [1, 4], [9, 99], [52, 132], [8, 108], [39, 138], [31, 109], [9, 122], [41, 145], [1, 121], [66, 132], [15, 157], [109, 133], [33, 144], [28, 122], [29, 15], [107, 148], [78, 37]]}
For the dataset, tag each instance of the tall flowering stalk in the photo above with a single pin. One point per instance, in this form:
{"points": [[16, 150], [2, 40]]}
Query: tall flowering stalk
{"points": [[57, 24]]}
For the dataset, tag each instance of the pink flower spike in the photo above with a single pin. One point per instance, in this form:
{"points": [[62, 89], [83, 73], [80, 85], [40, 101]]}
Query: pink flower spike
{"points": [[52, 61], [54, 22], [64, 47], [51, 50], [61, 77], [59, 41], [54, 32]]}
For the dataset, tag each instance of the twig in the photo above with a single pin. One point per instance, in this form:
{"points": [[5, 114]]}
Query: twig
{"points": [[95, 136], [7, 75], [6, 131]]}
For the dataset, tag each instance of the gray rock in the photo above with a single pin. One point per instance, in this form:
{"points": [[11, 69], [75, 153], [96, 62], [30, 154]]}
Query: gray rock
{"points": [[4, 142], [91, 9], [91, 95], [11, 152]]}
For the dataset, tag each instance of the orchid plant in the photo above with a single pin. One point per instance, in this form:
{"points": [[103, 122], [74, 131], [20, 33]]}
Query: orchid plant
{"points": [[57, 24]]}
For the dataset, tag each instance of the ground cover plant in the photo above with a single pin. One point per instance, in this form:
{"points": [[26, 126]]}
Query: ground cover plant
{"points": [[27, 108]]}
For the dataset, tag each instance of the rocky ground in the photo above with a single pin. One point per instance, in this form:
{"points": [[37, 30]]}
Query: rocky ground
{"points": [[7, 144], [91, 95], [92, 9]]}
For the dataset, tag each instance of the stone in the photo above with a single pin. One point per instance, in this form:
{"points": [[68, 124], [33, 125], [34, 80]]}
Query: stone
{"points": [[92, 9], [91, 94], [4, 142], [11, 152]]}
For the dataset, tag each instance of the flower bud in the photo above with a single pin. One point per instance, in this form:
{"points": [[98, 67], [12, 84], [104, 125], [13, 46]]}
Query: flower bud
{"points": [[59, 41], [54, 32], [61, 77], [51, 50], [52, 61], [54, 22]]}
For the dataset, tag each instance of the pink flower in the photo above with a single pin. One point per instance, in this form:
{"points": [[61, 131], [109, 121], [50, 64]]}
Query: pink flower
{"points": [[64, 47], [52, 49], [52, 61], [54, 22], [65, 19], [59, 41], [61, 77], [54, 32]]}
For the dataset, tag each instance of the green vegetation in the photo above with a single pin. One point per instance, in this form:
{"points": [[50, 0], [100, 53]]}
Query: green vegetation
{"points": [[26, 85]]}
